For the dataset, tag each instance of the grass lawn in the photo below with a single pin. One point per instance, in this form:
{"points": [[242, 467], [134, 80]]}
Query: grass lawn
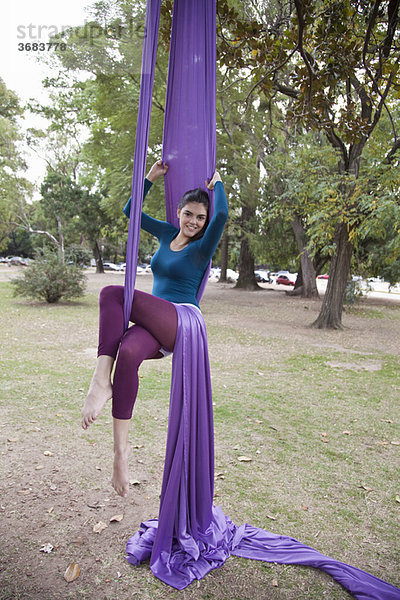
{"points": [[316, 411]]}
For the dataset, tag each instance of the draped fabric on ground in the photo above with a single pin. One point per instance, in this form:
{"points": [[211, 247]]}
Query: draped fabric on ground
{"points": [[191, 536]]}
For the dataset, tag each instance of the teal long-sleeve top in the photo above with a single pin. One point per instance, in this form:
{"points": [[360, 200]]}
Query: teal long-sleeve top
{"points": [[177, 274]]}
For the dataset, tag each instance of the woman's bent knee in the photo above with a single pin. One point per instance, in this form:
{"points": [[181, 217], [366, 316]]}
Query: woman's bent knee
{"points": [[112, 292]]}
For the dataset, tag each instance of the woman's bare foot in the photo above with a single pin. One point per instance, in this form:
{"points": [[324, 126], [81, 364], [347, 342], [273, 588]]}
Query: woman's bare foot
{"points": [[100, 390], [120, 474], [98, 395]]}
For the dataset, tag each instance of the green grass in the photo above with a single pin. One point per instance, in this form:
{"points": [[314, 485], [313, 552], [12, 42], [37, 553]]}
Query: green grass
{"points": [[324, 467]]}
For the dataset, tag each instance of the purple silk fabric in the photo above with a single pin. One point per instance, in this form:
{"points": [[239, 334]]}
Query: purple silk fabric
{"points": [[190, 142], [192, 536], [142, 137]]}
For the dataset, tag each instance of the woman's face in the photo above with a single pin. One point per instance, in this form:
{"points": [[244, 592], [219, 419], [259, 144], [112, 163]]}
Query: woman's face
{"points": [[192, 218]]}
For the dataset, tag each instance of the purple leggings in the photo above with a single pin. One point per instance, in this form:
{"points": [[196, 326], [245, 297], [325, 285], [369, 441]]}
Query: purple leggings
{"points": [[155, 322]]}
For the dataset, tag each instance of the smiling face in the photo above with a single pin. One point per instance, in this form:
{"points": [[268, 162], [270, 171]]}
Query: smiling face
{"points": [[192, 218]]}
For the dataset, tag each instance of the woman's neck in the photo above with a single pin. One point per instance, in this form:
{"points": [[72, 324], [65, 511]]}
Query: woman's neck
{"points": [[179, 242]]}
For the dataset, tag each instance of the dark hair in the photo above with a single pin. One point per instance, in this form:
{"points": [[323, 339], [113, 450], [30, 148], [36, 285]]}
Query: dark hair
{"points": [[201, 197]]}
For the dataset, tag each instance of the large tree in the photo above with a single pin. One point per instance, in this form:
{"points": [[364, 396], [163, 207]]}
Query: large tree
{"points": [[13, 185], [336, 63]]}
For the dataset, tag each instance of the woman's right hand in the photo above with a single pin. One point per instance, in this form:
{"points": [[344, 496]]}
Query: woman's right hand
{"points": [[216, 177], [157, 170]]}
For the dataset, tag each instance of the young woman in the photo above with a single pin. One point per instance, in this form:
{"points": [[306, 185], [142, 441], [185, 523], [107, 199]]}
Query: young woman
{"points": [[178, 267]]}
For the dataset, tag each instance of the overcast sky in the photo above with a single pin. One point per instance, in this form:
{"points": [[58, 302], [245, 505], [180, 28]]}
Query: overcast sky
{"points": [[25, 21], [29, 21]]}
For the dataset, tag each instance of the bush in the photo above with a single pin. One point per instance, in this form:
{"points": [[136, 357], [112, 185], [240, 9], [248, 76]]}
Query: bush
{"points": [[49, 278], [78, 255]]}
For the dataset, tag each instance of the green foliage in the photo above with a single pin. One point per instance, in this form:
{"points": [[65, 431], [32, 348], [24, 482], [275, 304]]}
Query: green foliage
{"points": [[78, 255], [13, 186], [49, 278]]}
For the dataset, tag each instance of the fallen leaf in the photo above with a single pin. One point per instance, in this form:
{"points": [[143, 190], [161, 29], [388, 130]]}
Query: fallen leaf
{"points": [[72, 572], [395, 443], [24, 492], [397, 499], [39, 467], [98, 528], [138, 446], [244, 459], [305, 507], [219, 476], [12, 440], [48, 453], [275, 583], [366, 488], [258, 421], [98, 468], [271, 517], [386, 420], [134, 482], [346, 432], [50, 510], [117, 518], [47, 548]]}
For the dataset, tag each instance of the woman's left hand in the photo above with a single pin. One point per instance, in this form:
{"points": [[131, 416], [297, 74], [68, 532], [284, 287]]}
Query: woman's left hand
{"points": [[157, 170], [216, 177]]}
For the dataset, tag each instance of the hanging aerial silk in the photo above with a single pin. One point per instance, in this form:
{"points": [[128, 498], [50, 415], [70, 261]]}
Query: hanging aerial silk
{"points": [[191, 536], [149, 53]]}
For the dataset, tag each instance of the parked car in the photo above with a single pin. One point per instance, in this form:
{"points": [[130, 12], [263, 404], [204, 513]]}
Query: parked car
{"points": [[284, 280], [262, 276], [17, 260], [109, 266], [215, 273], [231, 276]]}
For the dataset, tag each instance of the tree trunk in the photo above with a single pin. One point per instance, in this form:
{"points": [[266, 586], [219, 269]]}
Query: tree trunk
{"points": [[224, 255], [298, 286], [247, 279], [307, 287], [97, 257], [330, 316], [60, 237]]}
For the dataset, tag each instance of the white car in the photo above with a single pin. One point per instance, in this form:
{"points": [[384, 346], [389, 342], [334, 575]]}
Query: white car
{"points": [[109, 266]]}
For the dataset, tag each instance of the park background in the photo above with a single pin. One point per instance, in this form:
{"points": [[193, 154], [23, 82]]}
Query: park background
{"points": [[307, 115]]}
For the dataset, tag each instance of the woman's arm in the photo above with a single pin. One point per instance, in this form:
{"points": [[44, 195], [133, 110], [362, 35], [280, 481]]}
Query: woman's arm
{"points": [[147, 186], [152, 226], [213, 233]]}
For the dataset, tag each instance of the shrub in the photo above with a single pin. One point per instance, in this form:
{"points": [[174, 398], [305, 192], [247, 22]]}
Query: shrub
{"points": [[78, 255], [49, 278]]}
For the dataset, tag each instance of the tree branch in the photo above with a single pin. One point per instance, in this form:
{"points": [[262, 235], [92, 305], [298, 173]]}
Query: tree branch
{"points": [[305, 55]]}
